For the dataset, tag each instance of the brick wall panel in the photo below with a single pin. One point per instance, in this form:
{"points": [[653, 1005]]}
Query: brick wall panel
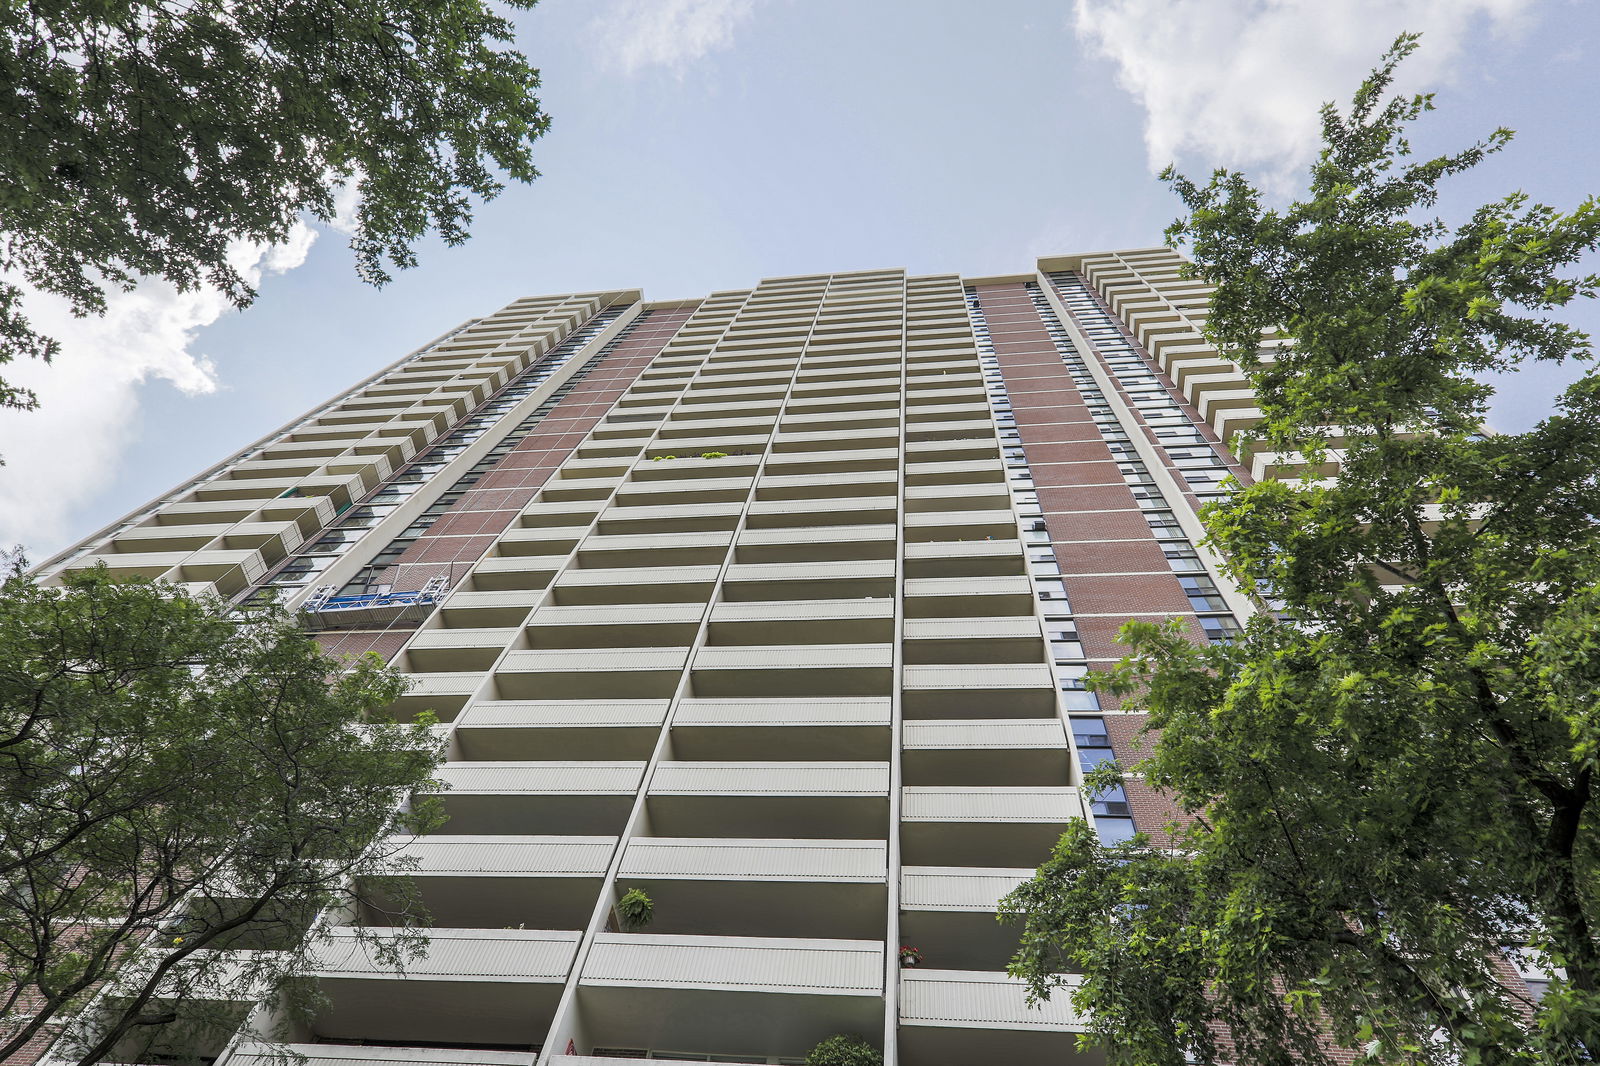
{"points": [[1081, 497], [1111, 557], [1098, 525], [1041, 456], [1133, 593]]}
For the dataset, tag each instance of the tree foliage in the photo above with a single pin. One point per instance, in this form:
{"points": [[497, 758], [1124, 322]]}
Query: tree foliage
{"points": [[142, 139], [1391, 778], [183, 793]]}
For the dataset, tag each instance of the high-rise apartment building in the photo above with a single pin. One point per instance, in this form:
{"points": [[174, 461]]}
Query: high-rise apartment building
{"points": [[776, 605]]}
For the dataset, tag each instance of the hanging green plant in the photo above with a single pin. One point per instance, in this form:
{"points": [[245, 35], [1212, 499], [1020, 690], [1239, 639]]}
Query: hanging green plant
{"points": [[844, 1050], [634, 910]]}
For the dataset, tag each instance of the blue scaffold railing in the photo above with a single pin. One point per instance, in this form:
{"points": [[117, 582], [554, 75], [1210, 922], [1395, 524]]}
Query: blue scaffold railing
{"points": [[323, 609]]}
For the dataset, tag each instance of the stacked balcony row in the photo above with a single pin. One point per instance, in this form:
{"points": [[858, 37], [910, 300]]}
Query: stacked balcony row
{"points": [[224, 533]]}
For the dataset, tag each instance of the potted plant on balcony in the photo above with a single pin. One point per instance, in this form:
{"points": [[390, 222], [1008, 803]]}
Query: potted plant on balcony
{"points": [[910, 957], [634, 910], [844, 1050]]}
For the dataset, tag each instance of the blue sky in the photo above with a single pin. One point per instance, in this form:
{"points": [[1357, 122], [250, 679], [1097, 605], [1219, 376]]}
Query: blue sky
{"points": [[704, 144]]}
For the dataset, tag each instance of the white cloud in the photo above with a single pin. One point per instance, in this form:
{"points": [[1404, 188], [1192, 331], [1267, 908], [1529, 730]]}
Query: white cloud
{"points": [[1237, 83], [635, 34], [59, 456]]}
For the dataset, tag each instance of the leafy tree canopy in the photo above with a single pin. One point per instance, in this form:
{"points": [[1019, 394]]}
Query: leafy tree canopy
{"points": [[186, 792], [1392, 780], [141, 139]]}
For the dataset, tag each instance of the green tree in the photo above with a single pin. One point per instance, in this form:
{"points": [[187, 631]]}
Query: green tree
{"points": [[180, 789], [1392, 779], [142, 139]]}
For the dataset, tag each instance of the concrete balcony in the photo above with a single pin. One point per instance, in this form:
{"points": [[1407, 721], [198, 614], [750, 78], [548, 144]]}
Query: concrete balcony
{"points": [[621, 428], [523, 798], [161, 540], [984, 825], [860, 459], [655, 625], [1185, 364], [572, 489], [952, 641], [690, 426], [819, 580], [685, 518], [945, 369], [794, 669], [966, 407], [962, 472], [816, 544], [217, 513], [609, 449], [595, 468], [836, 440], [965, 558], [978, 690], [273, 540], [792, 514], [959, 1017], [456, 650], [952, 451], [492, 730], [754, 997], [590, 673], [751, 404], [942, 393], [986, 751], [948, 912], [748, 375], [443, 693], [655, 550], [365, 1055], [774, 729], [309, 514], [692, 469], [131, 564], [980, 497], [787, 888], [1235, 420], [968, 597], [1151, 333], [737, 445], [684, 492], [863, 401], [475, 987], [626, 585], [272, 468], [1212, 394], [953, 429], [498, 882], [418, 432], [809, 621], [558, 514], [830, 485], [949, 526], [857, 422], [807, 800], [1286, 466], [466, 609], [227, 570]]}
